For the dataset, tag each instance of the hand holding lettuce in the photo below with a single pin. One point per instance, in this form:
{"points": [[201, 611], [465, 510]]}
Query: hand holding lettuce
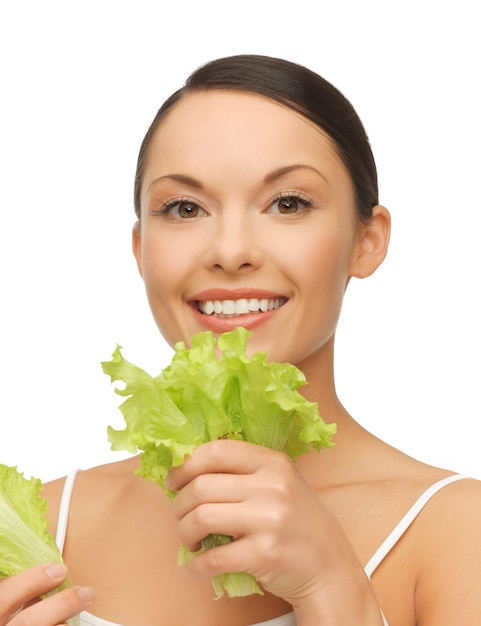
{"points": [[202, 396], [25, 540]]}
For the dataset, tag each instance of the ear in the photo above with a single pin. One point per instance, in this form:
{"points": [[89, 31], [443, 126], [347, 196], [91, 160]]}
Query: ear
{"points": [[372, 243], [137, 246]]}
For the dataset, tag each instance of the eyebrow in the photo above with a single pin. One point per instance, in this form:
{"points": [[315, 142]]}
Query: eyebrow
{"points": [[180, 178], [282, 171], [269, 178]]}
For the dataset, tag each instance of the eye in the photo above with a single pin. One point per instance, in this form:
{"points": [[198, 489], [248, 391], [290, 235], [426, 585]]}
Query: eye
{"points": [[182, 209], [187, 209], [289, 204]]}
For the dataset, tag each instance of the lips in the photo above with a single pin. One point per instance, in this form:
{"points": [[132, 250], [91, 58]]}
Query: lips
{"points": [[222, 310], [239, 306]]}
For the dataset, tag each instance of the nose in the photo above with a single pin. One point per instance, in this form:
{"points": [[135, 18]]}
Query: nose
{"points": [[234, 245]]}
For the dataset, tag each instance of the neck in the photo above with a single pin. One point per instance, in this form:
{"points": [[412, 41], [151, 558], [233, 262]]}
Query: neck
{"points": [[318, 369], [332, 463]]}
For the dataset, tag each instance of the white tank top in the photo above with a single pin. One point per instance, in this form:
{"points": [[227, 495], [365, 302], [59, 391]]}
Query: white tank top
{"points": [[87, 619]]}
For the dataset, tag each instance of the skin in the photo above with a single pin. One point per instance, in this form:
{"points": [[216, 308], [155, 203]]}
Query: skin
{"points": [[305, 530], [240, 240]]}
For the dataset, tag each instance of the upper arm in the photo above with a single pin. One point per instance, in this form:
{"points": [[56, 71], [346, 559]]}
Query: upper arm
{"points": [[448, 590]]}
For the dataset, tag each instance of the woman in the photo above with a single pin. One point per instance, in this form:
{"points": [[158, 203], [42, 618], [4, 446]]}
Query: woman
{"points": [[256, 199]]}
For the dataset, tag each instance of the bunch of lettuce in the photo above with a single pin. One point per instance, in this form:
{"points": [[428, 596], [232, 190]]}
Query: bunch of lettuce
{"points": [[213, 391], [25, 540]]}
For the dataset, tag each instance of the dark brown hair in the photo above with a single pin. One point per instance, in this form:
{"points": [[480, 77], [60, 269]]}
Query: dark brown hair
{"points": [[297, 88]]}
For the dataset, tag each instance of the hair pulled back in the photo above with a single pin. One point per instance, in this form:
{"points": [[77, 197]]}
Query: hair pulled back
{"points": [[297, 88]]}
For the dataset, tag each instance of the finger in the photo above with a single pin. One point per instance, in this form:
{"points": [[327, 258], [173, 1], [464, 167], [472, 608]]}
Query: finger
{"points": [[256, 516], [26, 586], [232, 557], [268, 569], [56, 609], [222, 455], [211, 488], [208, 519]]}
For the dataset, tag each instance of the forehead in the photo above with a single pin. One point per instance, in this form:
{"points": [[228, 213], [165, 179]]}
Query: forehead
{"points": [[235, 129], [224, 105]]}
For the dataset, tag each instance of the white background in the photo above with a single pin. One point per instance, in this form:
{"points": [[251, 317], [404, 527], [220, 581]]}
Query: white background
{"points": [[80, 83]]}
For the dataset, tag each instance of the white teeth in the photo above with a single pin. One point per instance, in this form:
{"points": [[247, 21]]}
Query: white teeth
{"points": [[228, 307], [241, 306]]}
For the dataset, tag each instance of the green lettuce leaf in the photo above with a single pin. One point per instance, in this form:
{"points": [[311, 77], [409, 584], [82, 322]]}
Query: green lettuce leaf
{"points": [[25, 540], [213, 390]]}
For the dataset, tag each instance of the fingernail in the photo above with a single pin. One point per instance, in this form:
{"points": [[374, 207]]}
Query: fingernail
{"points": [[86, 594], [56, 571]]}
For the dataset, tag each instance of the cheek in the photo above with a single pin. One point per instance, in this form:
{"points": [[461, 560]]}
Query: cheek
{"points": [[161, 273], [161, 276], [325, 260], [162, 264]]}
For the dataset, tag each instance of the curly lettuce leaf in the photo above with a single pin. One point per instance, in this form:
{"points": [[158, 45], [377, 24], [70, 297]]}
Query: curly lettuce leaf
{"points": [[210, 391], [25, 540]]}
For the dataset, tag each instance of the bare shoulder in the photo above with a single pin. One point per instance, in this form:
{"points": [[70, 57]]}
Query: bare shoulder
{"points": [[465, 493], [454, 514], [96, 485], [449, 540], [454, 508]]}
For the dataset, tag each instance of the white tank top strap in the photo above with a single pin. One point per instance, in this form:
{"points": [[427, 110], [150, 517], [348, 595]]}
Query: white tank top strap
{"points": [[399, 530], [64, 509]]}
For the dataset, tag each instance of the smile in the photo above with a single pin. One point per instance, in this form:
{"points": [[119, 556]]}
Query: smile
{"points": [[242, 306]]}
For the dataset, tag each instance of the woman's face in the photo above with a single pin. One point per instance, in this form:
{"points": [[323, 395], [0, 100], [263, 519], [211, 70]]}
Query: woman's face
{"points": [[247, 219]]}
